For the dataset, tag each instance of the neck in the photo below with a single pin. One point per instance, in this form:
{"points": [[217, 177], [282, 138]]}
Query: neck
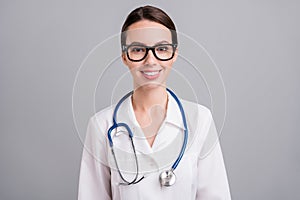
{"points": [[144, 99]]}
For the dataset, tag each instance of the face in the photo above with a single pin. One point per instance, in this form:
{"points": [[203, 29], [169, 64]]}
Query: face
{"points": [[149, 72]]}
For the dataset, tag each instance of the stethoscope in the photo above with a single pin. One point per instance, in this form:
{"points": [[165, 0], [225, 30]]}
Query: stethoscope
{"points": [[167, 177]]}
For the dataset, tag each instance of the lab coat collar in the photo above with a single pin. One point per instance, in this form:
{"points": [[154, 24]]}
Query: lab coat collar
{"points": [[173, 115]]}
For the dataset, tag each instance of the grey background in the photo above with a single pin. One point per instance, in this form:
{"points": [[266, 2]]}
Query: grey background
{"points": [[254, 43]]}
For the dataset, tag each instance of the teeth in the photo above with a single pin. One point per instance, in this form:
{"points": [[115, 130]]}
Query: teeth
{"points": [[151, 73]]}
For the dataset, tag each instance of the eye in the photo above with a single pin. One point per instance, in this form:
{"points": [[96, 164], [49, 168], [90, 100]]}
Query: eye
{"points": [[136, 49], [163, 48]]}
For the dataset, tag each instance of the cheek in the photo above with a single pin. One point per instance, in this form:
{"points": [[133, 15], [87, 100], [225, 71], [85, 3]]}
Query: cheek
{"points": [[167, 65], [134, 68]]}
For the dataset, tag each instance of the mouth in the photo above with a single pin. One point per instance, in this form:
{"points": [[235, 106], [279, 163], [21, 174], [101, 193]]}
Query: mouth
{"points": [[151, 74]]}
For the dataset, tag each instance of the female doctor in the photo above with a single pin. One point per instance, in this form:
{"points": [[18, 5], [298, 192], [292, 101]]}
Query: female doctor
{"points": [[150, 144]]}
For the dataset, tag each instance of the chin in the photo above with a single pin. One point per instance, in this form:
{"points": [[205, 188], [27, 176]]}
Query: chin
{"points": [[150, 86]]}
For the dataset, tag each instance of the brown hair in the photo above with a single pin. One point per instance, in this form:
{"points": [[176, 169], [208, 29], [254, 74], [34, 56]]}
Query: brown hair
{"points": [[150, 13]]}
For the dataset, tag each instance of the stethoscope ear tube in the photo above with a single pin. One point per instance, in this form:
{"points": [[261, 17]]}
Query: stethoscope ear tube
{"points": [[118, 105], [114, 126], [137, 166], [130, 134], [185, 130]]}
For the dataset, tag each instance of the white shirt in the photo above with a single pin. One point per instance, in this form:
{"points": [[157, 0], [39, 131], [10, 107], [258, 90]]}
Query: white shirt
{"points": [[200, 174]]}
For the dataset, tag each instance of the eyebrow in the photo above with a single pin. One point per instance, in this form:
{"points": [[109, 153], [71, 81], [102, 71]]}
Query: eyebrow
{"points": [[140, 43]]}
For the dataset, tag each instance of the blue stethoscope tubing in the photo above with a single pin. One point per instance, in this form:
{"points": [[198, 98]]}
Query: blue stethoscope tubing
{"points": [[116, 125]]}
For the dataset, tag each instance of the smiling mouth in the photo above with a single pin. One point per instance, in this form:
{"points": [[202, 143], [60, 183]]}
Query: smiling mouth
{"points": [[151, 74]]}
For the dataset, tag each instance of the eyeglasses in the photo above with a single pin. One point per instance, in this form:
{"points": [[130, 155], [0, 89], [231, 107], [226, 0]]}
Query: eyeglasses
{"points": [[137, 52]]}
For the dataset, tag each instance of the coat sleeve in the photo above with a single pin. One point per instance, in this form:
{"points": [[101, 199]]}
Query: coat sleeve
{"points": [[212, 177], [94, 178]]}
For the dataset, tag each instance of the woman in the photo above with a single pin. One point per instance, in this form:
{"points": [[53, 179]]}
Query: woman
{"points": [[164, 160]]}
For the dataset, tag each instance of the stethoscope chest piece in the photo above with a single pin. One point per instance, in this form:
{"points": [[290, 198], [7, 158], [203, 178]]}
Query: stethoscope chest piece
{"points": [[167, 178]]}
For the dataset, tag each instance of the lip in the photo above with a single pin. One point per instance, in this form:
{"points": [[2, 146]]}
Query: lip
{"points": [[151, 74]]}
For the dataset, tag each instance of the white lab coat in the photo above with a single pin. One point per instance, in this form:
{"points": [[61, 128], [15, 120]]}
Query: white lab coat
{"points": [[200, 174]]}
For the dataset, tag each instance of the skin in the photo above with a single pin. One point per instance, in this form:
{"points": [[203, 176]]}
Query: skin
{"points": [[149, 99]]}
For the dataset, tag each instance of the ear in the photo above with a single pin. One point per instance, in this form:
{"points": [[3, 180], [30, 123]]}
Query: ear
{"points": [[175, 55], [124, 58]]}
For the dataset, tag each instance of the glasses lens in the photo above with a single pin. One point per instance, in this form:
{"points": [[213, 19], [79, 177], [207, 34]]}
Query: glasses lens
{"points": [[136, 52], [164, 51]]}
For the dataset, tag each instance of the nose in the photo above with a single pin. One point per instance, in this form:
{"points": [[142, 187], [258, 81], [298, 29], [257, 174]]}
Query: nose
{"points": [[150, 58]]}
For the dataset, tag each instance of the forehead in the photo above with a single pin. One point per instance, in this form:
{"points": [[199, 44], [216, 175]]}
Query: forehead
{"points": [[148, 33]]}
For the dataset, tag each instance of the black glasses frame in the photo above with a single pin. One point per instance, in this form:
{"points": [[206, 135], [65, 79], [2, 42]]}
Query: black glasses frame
{"points": [[152, 48]]}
